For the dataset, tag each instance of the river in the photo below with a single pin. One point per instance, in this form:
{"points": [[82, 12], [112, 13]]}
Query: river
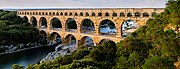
{"points": [[24, 57]]}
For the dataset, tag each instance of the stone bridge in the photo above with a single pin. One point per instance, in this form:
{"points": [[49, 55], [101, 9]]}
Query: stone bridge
{"points": [[42, 18]]}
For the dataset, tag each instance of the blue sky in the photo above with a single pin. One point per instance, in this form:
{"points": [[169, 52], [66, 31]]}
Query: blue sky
{"points": [[82, 3]]}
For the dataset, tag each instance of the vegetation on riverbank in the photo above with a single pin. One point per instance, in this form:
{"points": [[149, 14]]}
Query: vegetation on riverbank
{"points": [[15, 30], [153, 46]]}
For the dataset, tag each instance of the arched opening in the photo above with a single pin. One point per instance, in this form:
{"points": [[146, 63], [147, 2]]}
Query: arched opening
{"points": [[56, 24], [39, 13], [33, 21], [54, 14], [93, 14], [114, 14], [57, 14], [50, 13], [122, 14], [65, 14], [105, 40], [87, 42], [81, 14], [145, 14], [87, 14], [42, 13], [70, 43], [61, 14], [76, 14], [129, 14], [55, 38], [71, 25], [154, 14], [106, 14], [46, 13], [43, 22], [137, 14], [87, 26], [70, 14], [99, 14], [128, 27], [107, 27], [43, 37], [25, 19]]}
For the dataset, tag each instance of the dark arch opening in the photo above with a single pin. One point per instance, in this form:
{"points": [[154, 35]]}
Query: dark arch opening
{"points": [[122, 14], [145, 14], [46, 13], [107, 27], [43, 22], [129, 14], [114, 14], [61, 14], [33, 21], [50, 13], [87, 14], [56, 24], [81, 14], [99, 14], [106, 40], [70, 14], [93, 14], [76, 14], [42, 13], [137, 14], [106, 14], [43, 38], [154, 14], [57, 14], [55, 38], [39, 13], [71, 25], [65, 14], [128, 27], [87, 26], [25, 19], [86, 41]]}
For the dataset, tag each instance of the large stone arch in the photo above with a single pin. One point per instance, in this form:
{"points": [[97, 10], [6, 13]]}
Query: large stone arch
{"points": [[89, 27], [86, 40], [33, 21], [25, 19], [108, 32], [55, 37], [43, 22], [71, 25], [69, 39], [127, 27], [43, 37], [104, 40], [55, 23]]}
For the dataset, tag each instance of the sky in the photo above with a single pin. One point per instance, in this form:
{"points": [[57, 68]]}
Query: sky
{"points": [[22, 4]]}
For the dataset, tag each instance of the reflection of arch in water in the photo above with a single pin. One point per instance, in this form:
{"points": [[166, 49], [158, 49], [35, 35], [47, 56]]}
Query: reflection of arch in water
{"points": [[128, 27], [86, 41]]}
